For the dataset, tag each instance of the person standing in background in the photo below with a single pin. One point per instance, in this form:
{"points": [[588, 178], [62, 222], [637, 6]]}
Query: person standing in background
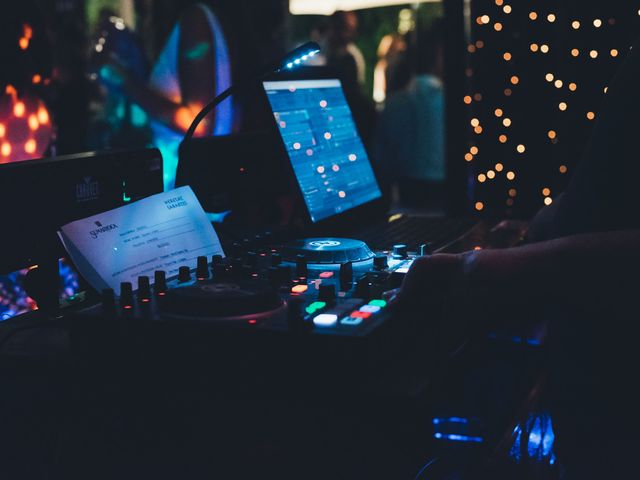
{"points": [[410, 142]]}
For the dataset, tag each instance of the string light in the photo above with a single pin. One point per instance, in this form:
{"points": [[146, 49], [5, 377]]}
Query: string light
{"points": [[491, 174], [548, 201], [549, 77], [506, 56], [551, 18], [597, 23], [507, 9], [506, 122], [499, 167], [562, 106], [474, 150], [573, 87], [467, 100], [591, 115], [544, 48], [575, 52], [593, 54], [534, 15], [521, 148], [511, 176], [575, 24], [479, 206]]}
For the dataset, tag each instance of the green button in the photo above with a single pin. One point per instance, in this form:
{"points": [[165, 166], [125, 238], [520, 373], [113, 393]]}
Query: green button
{"points": [[378, 303], [315, 306]]}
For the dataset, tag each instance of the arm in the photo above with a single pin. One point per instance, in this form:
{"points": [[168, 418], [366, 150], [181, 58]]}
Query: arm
{"points": [[196, 70], [580, 269]]}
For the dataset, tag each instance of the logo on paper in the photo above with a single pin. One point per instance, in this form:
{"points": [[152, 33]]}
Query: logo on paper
{"points": [[101, 229]]}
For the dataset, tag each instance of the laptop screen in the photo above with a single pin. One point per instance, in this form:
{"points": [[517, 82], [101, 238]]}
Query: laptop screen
{"points": [[323, 145]]}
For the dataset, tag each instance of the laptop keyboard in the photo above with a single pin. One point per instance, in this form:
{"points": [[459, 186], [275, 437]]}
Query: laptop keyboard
{"points": [[414, 231]]}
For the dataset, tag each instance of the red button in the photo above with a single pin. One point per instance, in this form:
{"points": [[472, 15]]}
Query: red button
{"points": [[361, 315]]}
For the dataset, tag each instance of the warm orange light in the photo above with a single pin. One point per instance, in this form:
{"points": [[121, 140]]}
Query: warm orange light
{"points": [[468, 157], [499, 2], [546, 192], [548, 201], [511, 176], [515, 80], [342, 194], [534, 47], [521, 148], [474, 150], [506, 56], [614, 52], [491, 174], [27, 31], [475, 122], [36, 79], [502, 138], [479, 206], [507, 9], [591, 115], [552, 134], [499, 167], [3, 130], [558, 83], [506, 122], [597, 23], [471, 48], [497, 27], [485, 19], [533, 15], [551, 18], [562, 106], [482, 178], [593, 54], [23, 43], [5, 150], [299, 288], [18, 109], [544, 48], [549, 77], [575, 52], [498, 112], [575, 24], [563, 169], [30, 146], [513, 192], [478, 129], [573, 87], [477, 97], [467, 100], [43, 115], [479, 44], [33, 122]]}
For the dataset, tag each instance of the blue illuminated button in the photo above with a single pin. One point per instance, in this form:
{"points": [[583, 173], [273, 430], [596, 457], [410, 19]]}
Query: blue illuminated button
{"points": [[378, 303], [369, 309], [315, 306], [325, 320], [352, 322]]}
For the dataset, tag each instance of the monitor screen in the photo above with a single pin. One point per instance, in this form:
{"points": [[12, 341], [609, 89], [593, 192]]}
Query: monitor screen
{"points": [[327, 155]]}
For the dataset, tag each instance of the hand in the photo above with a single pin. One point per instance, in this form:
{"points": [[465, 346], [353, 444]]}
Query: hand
{"points": [[430, 278]]}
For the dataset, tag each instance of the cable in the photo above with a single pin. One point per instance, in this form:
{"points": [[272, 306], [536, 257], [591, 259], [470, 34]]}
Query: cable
{"points": [[425, 466]]}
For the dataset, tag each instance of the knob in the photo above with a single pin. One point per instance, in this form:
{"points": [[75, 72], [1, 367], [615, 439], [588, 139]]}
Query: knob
{"points": [[276, 259], [202, 269], [252, 259], [144, 289], [327, 292], [380, 262], [236, 249], [346, 276], [219, 270], [400, 251], [126, 295], [184, 274], [108, 300], [301, 266], [284, 274], [425, 249], [363, 287], [216, 259], [160, 282]]}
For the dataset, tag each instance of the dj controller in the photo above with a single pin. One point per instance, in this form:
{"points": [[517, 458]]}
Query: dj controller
{"points": [[319, 286]]}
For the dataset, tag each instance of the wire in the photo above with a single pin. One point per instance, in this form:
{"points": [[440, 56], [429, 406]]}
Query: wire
{"points": [[424, 467]]}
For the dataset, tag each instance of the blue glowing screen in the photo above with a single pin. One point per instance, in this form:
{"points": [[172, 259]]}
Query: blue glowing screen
{"points": [[324, 147]]}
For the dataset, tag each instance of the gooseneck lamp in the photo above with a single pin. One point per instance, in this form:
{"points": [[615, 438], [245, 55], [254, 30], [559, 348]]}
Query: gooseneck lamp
{"points": [[290, 61]]}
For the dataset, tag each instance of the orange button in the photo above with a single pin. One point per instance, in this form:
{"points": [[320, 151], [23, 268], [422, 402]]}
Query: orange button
{"points": [[299, 289]]}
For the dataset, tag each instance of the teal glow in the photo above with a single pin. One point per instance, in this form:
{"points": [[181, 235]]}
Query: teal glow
{"points": [[139, 117], [125, 198], [378, 303], [198, 51]]}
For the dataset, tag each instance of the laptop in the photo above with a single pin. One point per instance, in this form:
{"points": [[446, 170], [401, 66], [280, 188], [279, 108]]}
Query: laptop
{"points": [[335, 178]]}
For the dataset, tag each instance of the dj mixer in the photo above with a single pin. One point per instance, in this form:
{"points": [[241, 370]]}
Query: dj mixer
{"points": [[320, 286]]}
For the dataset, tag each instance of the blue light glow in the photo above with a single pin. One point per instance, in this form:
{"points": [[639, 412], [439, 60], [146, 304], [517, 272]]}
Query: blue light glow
{"points": [[289, 65], [539, 442], [297, 61], [458, 438], [438, 420]]}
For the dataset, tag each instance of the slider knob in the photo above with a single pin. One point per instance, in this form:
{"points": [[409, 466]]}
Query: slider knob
{"points": [[202, 268], [295, 315], [108, 300], [425, 249], [399, 251], [126, 295], [216, 259], [327, 292], [346, 276], [160, 282], [301, 266], [184, 274], [380, 262], [144, 288]]}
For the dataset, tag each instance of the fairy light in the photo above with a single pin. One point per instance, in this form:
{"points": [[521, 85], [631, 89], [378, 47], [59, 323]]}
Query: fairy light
{"points": [[506, 56], [562, 106], [593, 54], [558, 83], [533, 16], [507, 9], [575, 24], [549, 77], [474, 150], [467, 100], [521, 148], [591, 115], [573, 87], [597, 23], [499, 167], [491, 174], [479, 206], [544, 48], [551, 18], [575, 52]]}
